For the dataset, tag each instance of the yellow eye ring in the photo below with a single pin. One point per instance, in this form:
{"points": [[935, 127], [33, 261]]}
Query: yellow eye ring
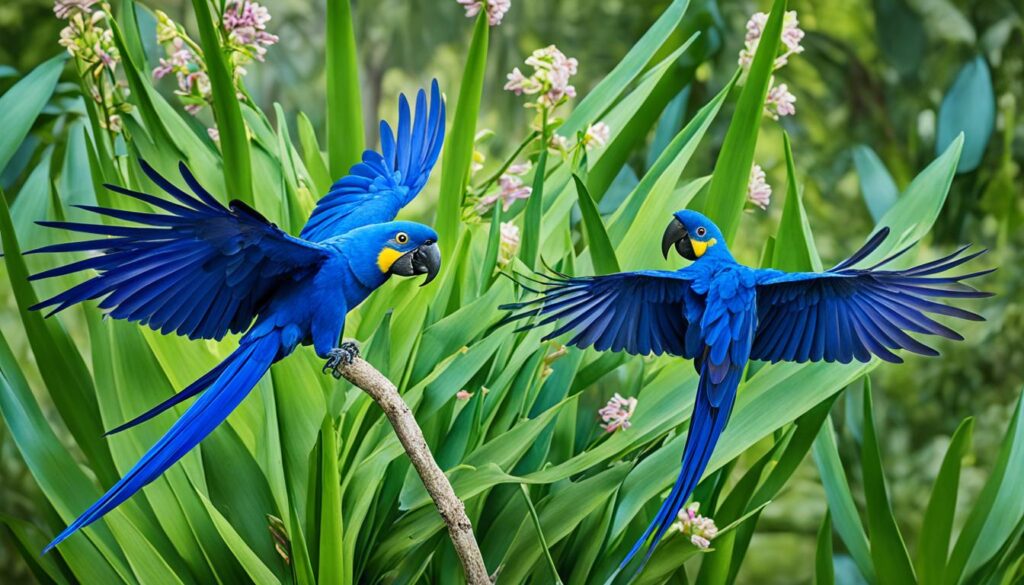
{"points": [[402, 238]]}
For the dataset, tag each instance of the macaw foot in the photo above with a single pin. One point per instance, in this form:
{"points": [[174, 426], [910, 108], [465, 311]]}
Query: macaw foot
{"points": [[341, 356]]}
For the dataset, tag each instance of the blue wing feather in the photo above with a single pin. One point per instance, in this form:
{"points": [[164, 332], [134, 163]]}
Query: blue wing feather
{"points": [[376, 189], [848, 313], [227, 259], [636, 312]]}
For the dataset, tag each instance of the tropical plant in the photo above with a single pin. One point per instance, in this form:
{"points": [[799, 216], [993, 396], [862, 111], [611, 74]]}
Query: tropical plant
{"points": [[306, 483]]}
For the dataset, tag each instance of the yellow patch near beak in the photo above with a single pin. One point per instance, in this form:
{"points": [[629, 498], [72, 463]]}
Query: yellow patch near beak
{"points": [[700, 247], [387, 257]]}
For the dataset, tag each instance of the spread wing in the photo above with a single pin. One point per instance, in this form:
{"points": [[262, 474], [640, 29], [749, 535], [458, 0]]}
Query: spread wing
{"points": [[200, 270], [637, 312], [848, 313], [377, 188]]}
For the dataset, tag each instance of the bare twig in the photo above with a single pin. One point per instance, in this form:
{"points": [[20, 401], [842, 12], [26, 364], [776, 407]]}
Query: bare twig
{"points": [[452, 510]]}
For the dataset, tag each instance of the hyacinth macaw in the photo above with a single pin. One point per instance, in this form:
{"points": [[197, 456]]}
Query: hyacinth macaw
{"points": [[721, 314], [203, 269]]}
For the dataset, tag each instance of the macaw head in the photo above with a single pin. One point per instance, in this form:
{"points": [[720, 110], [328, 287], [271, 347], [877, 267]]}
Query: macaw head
{"points": [[402, 248], [692, 234]]}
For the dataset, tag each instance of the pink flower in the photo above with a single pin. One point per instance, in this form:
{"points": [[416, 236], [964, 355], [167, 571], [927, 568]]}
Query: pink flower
{"points": [[246, 24], [791, 37], [700, 529], [550, 79], [759, 192], [63, 9], [510, 189], [519, 169], [779, 102], [463, 395], [617, 412], [596, 136], [496, 9], [214, 134]]}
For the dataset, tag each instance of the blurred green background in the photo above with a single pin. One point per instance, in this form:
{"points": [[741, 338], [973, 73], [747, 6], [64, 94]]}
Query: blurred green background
{"points": [[873, 78]]}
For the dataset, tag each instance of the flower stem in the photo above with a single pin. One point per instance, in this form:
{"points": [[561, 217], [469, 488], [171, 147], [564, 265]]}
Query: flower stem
{"points": [[540, 534]]}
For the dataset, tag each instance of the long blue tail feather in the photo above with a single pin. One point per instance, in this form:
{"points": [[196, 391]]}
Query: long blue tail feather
{"points": [[706, 425], [238, 375]]}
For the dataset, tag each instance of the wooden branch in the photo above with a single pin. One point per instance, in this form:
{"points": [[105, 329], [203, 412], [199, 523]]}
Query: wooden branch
{"points": [[452, 510]]}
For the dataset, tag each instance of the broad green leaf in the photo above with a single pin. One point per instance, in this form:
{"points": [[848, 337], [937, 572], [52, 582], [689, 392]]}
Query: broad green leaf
{"points": [[257, 571], [601, 252], [90, 555], [227, 110], [728, 190], [888, 550], [21, 104], [344, 104], [914, 213], [312, 156], [611, 87], [531, 237], [840, 501], [458, 148], [60, 364], [140, 88], [877, 186], [968, 108], [794, 249], [933, 550], [665, 81], [332, 567], [998, 509]]}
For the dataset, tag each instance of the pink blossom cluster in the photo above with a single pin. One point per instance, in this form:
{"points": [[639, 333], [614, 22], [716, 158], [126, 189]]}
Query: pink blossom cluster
{"points": [[496, 9], [779, 102], [759, 192], [190, 71], [550, 79], [617, 412], [700, 529], [510, 188], [245, 23]]}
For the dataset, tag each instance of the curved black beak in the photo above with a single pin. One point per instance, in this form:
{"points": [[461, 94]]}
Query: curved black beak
{"points": [[677, 235], [425, 259]]}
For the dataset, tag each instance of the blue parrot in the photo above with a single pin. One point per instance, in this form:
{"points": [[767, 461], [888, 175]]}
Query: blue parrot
{"points": [[202, 269], [721, 314]]}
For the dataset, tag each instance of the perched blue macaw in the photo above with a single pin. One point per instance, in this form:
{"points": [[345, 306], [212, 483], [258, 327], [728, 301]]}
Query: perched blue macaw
{"points": [[203, 270], [722, 314]]}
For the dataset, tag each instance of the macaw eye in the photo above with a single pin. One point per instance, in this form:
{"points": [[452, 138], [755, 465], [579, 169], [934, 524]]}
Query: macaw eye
{"points": [[701, 232], [402, 238]]}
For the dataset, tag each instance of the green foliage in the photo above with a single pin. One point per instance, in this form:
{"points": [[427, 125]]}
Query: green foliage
{"points": [[306, 482]]}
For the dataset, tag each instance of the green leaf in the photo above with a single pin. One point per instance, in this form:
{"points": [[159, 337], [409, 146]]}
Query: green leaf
{"points": [[998, 509], [969, 108], [728, 190], [531, 240], [312, 156], [61, 365], [345, 136], [933, 550], [234, 141], [332, 560], [794, 249], [601, 252], [914, 213], [140, 88], [824, 572], [598, 100], [458, 148], [21, 105], [888, 550], [840, 500], [254, 567], [877, 186]]}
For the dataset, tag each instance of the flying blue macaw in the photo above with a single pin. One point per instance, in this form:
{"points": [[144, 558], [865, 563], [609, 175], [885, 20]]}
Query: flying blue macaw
{"points": [[203, 269], [721, 314]]}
